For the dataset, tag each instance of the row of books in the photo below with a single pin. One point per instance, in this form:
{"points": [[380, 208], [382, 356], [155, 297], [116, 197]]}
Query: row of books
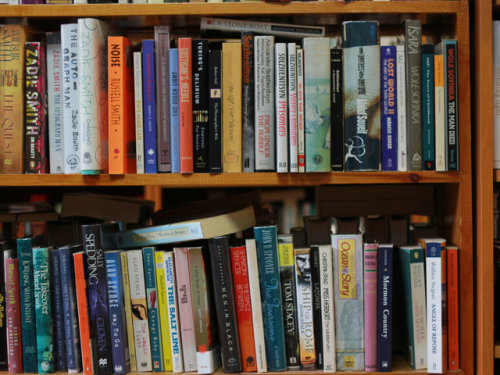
{"points": [[247, 105]]}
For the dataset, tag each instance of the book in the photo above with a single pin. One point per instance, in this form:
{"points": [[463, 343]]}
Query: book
{"points": [[361, 95], [389, 115], [200, 106], [349, 301], [60, 360], [248, 100], [149, 106], [301, 157], [317, 104], [453, 307], [35, 109], [370, 258], [3, 319], [428, 111], [127, 305], [173, 71], [215, 110], [327, 308], [337, 109], [185, 105], [384, 307], [139, 117], [13, 314], [163, 310], [444, 309], [439, 113], [292, 106], [281, 105], [93, 109], [314, 261], [401, 105], [496, 93]]}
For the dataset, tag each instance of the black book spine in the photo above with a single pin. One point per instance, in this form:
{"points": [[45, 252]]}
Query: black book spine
{"points": [[451, 105], [215, 110], [224, 303], [384, 308], [97, 298], [337, 110], [247, 100], [317, 316], [200, 105], [3, 320]]}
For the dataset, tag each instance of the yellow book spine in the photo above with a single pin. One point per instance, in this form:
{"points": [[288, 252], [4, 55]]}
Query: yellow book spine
{"points": [[162, 303], [128, 312]]}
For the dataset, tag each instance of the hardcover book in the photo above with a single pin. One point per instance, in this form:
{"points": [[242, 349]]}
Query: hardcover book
{"points": [[337, 109], [139, 117], [248, 100], [149, 106], [292, 106], [127, 305], [13, 314], [281, 105], [327, 308], [200, 106], [428, 112], [389, 108], [215, 110], [185, 105], [60, 363], [173, 66], [163, 310], [370, 258], [384, 308]]}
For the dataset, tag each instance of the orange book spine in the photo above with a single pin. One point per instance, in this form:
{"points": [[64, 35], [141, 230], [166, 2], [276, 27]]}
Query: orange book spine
{"points": [[185, 105], [453, 306], [83, 314], [444, 314], [120, 107]]}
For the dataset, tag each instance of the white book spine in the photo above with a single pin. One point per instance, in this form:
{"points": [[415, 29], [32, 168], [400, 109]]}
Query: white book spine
{"points": [[55, 118], [264, 104], [79, 1], [292, 106], [138, 298], [139, 120], [401, 105], [417, 274], [327, 307], [122, 1], [258, 323], [300, 112], [496, 94], [281, 108], [440, 117], [71, 132], [173, 316], [13, 2], [93, 109], [434, 322]]}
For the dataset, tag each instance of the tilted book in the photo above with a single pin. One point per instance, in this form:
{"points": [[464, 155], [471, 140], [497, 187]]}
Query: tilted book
{"points": [[163, 310], [389, 108], [370, 259], [185, 105], [13, 314], [173, 71], [215, 110], [428, 112], [149, 106], [139, 117], [127, 305], [200, 106], [248, 100], [384, 307], [327, 307], [173, 316], [281, 106], [60, 363]]}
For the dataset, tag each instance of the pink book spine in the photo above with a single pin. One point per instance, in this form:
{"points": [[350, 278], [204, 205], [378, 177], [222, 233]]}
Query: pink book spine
{"points": [[370, 280], [13, 316]]}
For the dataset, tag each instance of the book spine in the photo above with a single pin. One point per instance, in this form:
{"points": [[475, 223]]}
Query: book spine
{"points": [[281, 97], [231, 108], [139, 117], [185, 304], [496, 94], [370, 285], [401, 104], [163, 310], [215, 110], [439, 109], [248, 101], [301, 158], [14, 346], [270, 290], [173, 65], [389, 111], [43, 310], [264, 104], [185, 105], [35, 110], [453, 308], [337, 109], [128, 311], [173, 316], [149, 106], [451, 76], [428, 129], [413, 37], [200, 105], [316, 296], [292, 106], [384, 308], [224, 303], [152, 298], [162, 46], [55, 102], [71, 125], [327, 308], [93, 99], [60, 360], [444, 311], [27, 304], [317, 103], [434, 301], [3, 319]]}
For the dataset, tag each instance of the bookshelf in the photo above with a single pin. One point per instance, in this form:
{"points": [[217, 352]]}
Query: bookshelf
{"points": [[454, 198]]}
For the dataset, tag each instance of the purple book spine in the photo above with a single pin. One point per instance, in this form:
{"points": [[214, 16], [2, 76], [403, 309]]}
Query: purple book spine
{"points": [[370, 279]]}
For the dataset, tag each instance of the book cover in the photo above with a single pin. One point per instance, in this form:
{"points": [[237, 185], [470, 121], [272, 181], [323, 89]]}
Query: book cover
{"points": [[13, 313], [349, 301], [270, 290], [428, 112], [453, 305], [248, 100], [200, 105], [401, 105], [149, 106], [361, 95], [3, 318], [317, 104], [60, 360], [139, 116], [389, 115], [127, 305], [93, 95], [370, 258], [185, 105], [337, 109], [439, 113], [292, 107], [173, 70], [55, 102], [215, 110], [281, 105], [35, 110], [327, 308], [316, 296], [384, 308], [163, 310], [301, 158], [225, 306]]}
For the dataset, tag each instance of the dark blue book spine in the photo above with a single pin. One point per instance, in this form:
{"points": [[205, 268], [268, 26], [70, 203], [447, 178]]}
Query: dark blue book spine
{"points": [[428, 138], [121, 360], [389, 113], [384, 308], [72, 334], [57, 308], [27, 295], [174, 109], [149, 105], [270, 291]]}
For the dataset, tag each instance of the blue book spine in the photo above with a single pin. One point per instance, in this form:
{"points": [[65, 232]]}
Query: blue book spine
{"points": [[69, 308], [27, 295], [384, 308], [270, 291], [174, 110], [153, 313], [119, 347], [428, 127], [58, 311], [389, 113], [149, 103]]}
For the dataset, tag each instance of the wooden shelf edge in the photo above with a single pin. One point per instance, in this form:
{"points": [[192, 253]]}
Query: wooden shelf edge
{"points": [[299, 372]]}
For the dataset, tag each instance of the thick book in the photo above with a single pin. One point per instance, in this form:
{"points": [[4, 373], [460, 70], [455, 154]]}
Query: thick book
{"points": [[55, 102], [60, 360], [281, 106], [370, 259], [453, 305], [200, 106], [173, 316], [36, 159], [215, 110], [439, 113], [270, 290], [314, 261], [349, 301], [173, 71], [225, 305], [163, 310], [301, 147], [149, 106], [185, 105], [27, 302], [327, 308], [401, 105], [248, 100], [337, 109], [139, 117], [361, 95], [428, 112], [3, 320], [93, 99], [389, 115], [13, 314], [127, 305], [292, 107], [384, 307]]}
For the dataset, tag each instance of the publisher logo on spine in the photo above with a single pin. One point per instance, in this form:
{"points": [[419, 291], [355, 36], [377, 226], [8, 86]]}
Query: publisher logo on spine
{"points": [[347, 267]]}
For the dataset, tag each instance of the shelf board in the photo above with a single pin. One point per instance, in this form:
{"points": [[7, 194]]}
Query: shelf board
{"points": [[231, 9], [496, 175]]}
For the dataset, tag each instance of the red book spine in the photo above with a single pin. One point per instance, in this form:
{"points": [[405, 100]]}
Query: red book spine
{"points": [[453, 306], [444, 302], [185, 105], [14, 345], [243, 307]]}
